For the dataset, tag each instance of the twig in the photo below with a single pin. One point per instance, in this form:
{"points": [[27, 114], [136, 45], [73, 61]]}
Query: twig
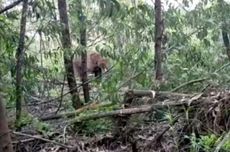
{"points": [[222, 67], [24, 141], [93, 105], [43, 139], [10, 6], [200, 80], [188, 83]]}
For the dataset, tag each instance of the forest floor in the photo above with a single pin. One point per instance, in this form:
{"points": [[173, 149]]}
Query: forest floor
{"points": [[187, 114]]}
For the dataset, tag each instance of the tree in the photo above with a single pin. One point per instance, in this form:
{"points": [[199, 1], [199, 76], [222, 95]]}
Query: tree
{"points": [[20, 53], [66, 44], [158, 40], [226, 41], [83, 54], [5, 140], [224, 29]]}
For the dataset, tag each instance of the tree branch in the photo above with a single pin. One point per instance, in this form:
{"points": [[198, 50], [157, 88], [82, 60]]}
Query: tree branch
{"points": [[43, 139], [10, 6]]}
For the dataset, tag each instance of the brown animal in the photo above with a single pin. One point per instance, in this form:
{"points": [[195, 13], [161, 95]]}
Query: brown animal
{"points": [[96, 64]]}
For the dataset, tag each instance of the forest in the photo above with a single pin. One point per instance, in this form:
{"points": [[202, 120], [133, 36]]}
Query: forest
{"points": [[114, 75]]}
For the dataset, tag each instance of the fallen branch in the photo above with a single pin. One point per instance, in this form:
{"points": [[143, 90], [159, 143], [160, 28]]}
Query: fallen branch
{"points": [[43, 139], [111, 113], [93, 105], [142, 109], [188, 83], [141, 93], [24, 141]]}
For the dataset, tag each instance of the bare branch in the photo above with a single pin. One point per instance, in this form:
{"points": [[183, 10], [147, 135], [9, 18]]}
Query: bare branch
{"points": [[43, 139], [10, 6]]}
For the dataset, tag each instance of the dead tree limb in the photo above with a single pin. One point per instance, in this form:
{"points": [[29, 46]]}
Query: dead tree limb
{"points": [[133, 93], [44, 139], [91, 106], [188, 83], [142, 109], [141, 93], [111, 113]]}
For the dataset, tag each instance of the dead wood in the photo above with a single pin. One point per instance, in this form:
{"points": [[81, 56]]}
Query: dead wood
{"points": [[44, 139], [129, 95], [189, 83], [141, 93], [91, 106], [141, 109]]}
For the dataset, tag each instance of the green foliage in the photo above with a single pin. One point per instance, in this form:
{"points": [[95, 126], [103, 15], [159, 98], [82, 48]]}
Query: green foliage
{"points": [[98, 126], [92, 127], [123, 32], [25, 120], [226, 146], [207, 143], [29, 120], [42, 127]]}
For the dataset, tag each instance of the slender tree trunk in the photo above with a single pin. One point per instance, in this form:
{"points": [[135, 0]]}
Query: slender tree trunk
{"points": [[158, 41], [20, 62], [225, 35], [5, 139], [84, 79], [226, 42], [66, 44]]}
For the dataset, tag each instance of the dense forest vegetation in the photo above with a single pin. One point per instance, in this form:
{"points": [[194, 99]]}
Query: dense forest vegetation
{"points": [[114, 75]]}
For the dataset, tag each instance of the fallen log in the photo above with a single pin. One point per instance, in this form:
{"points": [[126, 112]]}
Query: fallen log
{"points": [[129, 93], [142, 109], [93, 105]]}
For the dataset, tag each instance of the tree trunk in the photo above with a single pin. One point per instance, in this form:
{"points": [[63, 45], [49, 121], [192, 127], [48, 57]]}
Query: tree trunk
{"points": [[158, 41], [224, 29], [226, 42], [66, 44], [20, 62], [5, 140], [84, 79]]}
